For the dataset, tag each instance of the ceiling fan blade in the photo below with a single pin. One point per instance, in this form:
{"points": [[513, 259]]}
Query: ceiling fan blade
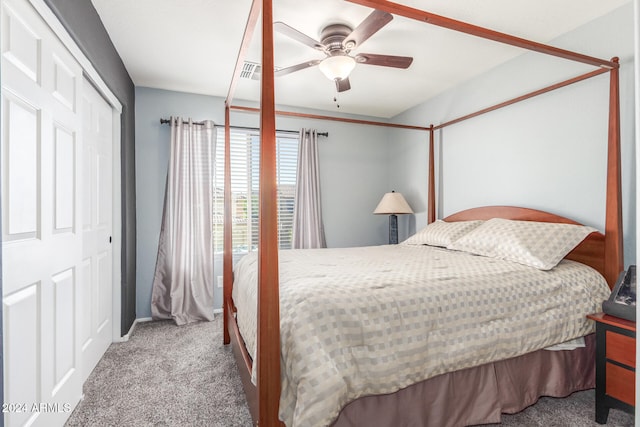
{"points": [[372, 23], [342, 85], [291, 32], [384, 60], [297, 67]]}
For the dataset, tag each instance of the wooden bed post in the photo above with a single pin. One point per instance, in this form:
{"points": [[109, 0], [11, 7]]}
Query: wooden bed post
{"points": [[268, 337], [431, 202], [227, 258], [614, 258]]}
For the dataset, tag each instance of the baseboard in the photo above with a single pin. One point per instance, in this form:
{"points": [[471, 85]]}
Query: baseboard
{"points": [[126, 337]]}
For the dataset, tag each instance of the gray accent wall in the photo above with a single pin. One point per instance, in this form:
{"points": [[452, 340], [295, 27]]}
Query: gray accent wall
{"points": [[354, 175], [83, 24], [547, 152]]}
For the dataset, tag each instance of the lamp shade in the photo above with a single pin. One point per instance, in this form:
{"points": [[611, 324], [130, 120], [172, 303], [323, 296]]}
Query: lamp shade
{"points": [[393, 203], [337, 66]]}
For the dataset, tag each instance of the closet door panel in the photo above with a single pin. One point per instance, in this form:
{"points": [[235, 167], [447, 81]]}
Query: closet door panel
{"points": [[42, 216]]}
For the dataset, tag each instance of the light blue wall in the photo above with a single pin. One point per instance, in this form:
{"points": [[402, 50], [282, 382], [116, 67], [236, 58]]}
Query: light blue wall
{"points": [[354, 173], [547, 153]]}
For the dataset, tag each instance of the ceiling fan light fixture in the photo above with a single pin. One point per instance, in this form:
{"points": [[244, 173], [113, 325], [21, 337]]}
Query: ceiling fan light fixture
{"points": [[337, 66]]}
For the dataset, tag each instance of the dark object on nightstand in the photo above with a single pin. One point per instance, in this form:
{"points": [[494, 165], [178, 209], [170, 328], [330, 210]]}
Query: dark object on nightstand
{"points": [[622, 302], [615, 365]]}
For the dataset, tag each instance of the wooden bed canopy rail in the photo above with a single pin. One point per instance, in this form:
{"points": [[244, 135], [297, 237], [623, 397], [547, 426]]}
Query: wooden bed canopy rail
{"points": [[331, 118], [474, 30], [263, 398]]}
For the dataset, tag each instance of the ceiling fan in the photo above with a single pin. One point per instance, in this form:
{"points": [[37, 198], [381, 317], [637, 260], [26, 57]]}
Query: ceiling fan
{"points": [[336, 42]]}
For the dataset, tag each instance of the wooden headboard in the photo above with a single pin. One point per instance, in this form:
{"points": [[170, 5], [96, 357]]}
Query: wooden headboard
{"points": [[591, 251]]}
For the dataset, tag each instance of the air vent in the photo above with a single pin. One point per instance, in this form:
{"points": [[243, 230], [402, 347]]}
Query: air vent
{"points": [[250, 70]]}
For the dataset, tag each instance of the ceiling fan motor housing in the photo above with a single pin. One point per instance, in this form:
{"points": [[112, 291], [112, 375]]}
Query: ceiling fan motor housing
{"points": [[332, 37]]}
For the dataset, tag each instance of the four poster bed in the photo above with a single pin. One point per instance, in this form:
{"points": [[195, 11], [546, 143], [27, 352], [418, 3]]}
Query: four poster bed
{"points": [[429, 332]]}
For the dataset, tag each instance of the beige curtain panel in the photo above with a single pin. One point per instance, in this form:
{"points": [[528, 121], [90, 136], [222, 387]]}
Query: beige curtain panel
{"points": [[184, 278], [308, 229]]}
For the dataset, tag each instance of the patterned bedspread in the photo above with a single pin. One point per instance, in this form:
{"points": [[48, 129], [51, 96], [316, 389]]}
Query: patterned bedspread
{"points": [[373, 320]]}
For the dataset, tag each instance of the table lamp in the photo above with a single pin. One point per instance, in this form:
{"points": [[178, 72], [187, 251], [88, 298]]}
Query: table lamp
{"points": [[393, 204]]}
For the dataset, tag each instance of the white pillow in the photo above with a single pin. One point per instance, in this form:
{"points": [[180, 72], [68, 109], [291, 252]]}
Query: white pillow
{"points": [[537, 244], [441, 233]]}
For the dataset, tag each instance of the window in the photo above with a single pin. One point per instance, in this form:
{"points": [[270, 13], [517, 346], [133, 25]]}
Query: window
{"points": [[245, 160]]}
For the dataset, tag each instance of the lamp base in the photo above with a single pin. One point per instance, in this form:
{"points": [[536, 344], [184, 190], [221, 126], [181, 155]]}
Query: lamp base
{"points": [[393, 229]]}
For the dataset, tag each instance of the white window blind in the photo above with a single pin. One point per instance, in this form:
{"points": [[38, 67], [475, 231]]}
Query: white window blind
{"points": [[245, 160]]}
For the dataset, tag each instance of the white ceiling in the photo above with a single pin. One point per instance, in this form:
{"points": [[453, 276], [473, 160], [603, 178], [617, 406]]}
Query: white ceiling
{"points": [[192, 46]]}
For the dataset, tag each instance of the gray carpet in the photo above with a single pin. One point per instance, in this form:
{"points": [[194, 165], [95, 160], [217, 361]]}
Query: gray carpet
{"points": [[167, 375]]}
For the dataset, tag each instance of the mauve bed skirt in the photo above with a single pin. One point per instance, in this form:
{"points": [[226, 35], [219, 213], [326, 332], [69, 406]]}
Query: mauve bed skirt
{"points": [[478, 395]]}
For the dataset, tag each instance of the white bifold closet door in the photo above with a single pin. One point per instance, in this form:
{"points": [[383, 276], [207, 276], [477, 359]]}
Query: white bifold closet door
{"points": [[97, 203], [56, 271]]}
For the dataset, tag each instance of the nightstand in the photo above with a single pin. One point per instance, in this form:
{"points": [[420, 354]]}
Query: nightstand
{"points": [[615, 364]]}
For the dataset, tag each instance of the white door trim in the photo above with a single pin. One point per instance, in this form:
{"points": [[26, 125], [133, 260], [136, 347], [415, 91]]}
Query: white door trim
{"points": [[54, 23], [92, 74], [116, 218]]}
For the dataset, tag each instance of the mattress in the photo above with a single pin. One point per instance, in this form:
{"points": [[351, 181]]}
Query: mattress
{"points": [[373, 320]]}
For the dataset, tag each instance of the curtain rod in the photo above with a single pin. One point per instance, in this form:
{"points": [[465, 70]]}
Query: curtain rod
{"points": [[165, 121]]}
